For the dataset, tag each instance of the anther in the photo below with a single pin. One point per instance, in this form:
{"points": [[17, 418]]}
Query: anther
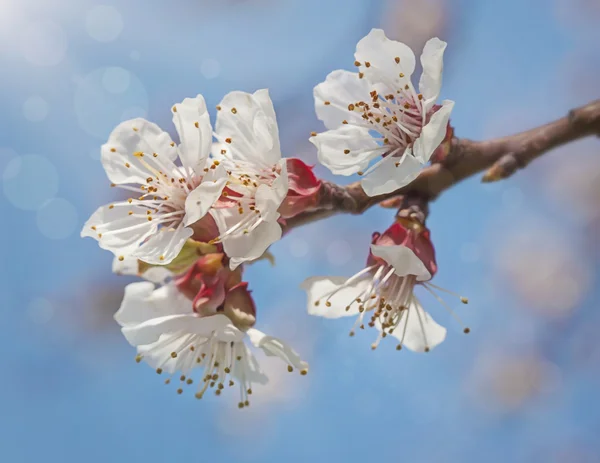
{"points": [[228, 140], [196, 124], [351, 333], [159, 371], [464, 300], [182, 378], [346, 151], [304, 372], [427, 349], [290, 368], [399, 347], [357, 63], [467, 330], [173, 354], [234, 111], [189, 381], [218, 108], [328, 304], [367, 64], [138, 358], [121, 258], [313, 134], [327, 103], [179, 391], [174, 108], [397, 59]]}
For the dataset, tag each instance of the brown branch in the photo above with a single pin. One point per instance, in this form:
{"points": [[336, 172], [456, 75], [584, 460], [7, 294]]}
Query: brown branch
{"points": [[501, 156]]}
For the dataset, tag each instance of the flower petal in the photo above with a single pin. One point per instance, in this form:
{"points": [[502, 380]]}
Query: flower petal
{"points": [[333, 144], [264, 100], [164, 245], [136, 135], [118, 231], [150, 330], [130, 266], [142, 303], [319, 288], [276, 347], [380, 53], [416, 338], [432, 60], [403, 259], [192, 122], [269, 198], [247, 125], [251, 373], [391, 174], [201, 199], [433, 133], [340, 89]]}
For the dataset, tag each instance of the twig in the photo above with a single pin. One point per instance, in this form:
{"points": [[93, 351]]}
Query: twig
{"points": [[502, 157]]}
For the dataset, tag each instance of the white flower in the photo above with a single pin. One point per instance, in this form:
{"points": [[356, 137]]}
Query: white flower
{"points": [[380, 98], [385, 291], [139, 157], [248, 148], [172, 338]]}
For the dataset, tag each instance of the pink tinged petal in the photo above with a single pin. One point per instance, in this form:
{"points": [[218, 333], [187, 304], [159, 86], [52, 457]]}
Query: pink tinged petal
{"points": [[433, 133], [417, 337], [192, 122], [403, 259], [332, 98], [142, 303], [251, 131], [391, 174], [202, 198], [319, 288], [333, 145], [380, 53], [136, 135], [150, 330], [118, 231], [269, 198], [275, 347], [163, 246], [432, 60]]}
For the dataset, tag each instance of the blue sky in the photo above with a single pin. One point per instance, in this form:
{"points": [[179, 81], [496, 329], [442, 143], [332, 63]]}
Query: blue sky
{"points": [[70, 388]]}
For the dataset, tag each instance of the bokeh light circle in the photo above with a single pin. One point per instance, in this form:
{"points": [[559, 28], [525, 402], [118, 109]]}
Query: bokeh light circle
{"points": [[40, 310], [57, 219], [105, 96], [104, 23], [210, 68], [43, 43], [116, 80], [339, 252], [35, 108], [298, 247], [29, 181]]}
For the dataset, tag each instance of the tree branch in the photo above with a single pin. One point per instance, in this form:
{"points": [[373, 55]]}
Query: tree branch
{"points": [[502, 157]]}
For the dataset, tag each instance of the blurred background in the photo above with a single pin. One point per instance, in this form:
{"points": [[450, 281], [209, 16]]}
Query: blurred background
{"points": [[522, 387]]}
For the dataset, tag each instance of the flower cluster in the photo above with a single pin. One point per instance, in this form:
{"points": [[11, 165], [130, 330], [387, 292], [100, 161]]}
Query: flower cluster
{"points": [[196, 212]]}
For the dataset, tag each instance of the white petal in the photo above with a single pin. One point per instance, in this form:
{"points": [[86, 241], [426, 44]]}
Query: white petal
{"points": [[195, 132], [414, 339], [264, 100], [432, 60], [388, 176], [381, 53], [124, 141], [340, 89], [164, 245], [403, 259], [126, 231], [142, 303], [201, 199], [252, 130], [269, 198], [433, 133], [318, 288], [332, 144], [252, 372], [130, 266], [150, 330], [276, 347]]}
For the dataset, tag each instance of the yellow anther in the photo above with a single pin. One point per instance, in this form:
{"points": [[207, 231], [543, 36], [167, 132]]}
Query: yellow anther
{"points": [[159, 371], [234, 111], [113, 150], [228, 140], [346, 151], [327, 103], [397, 59], [218, 108], [121, 258], [173, 354], [196, 125]]}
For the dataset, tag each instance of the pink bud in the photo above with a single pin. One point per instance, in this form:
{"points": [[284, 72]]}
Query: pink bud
{"points": [[303, 189]]}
